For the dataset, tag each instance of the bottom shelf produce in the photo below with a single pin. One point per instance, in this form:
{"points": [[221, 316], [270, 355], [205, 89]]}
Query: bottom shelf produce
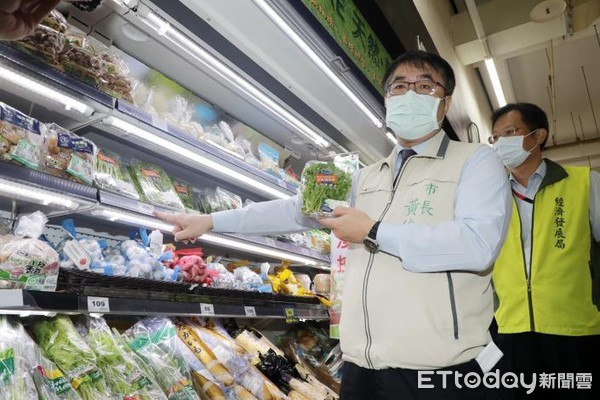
{"points": [[176, 358]]}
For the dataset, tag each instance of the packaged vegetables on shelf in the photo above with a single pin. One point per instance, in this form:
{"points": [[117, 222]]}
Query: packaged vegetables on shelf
{"points": [[324, 186], [15, 381], [45, 43], [21, 137], [155, 185], [79, 59], [154, 339], [185, 193], [124, 376], [50, 382], [112, 175], [25, 261], [69, 156], [62, 344]]}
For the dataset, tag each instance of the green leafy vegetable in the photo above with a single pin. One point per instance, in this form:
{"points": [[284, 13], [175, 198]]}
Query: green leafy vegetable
{"points": [[62, 344], [321, 182], [125, 378]]}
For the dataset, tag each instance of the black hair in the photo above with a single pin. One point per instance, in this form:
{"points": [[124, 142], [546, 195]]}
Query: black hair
{"points": [[533, 116], [421, 59]]}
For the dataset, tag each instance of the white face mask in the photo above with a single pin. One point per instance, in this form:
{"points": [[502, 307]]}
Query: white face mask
{"points": [[412, 116], [510, 149]]}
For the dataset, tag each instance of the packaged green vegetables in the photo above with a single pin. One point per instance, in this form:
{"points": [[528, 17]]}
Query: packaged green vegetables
{"points": [[324, 187], [62, 344], [126, 378]]}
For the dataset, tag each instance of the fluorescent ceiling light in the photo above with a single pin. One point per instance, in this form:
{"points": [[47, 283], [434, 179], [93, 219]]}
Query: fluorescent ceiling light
{"points": [[164, 29], [391, 137], [208, 238], [29, 193], [280, 22], [45, 91], [193, 157], [493, 73]]}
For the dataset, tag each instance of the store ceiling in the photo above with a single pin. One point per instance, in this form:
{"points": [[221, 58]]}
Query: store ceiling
{"points": [[554, 64]]}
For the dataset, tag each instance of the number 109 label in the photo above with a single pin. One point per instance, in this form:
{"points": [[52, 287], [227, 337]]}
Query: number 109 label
{"points": [[98, 304]]}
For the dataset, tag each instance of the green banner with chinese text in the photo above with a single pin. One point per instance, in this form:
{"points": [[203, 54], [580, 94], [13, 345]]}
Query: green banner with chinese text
{"points": [[348, 27]]}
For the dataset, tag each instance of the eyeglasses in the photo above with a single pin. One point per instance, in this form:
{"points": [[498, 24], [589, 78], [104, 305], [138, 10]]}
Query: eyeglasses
{"points": [[512, 131], [423, 86]]}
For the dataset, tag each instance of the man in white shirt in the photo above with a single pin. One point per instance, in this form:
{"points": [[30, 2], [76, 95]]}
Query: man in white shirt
{"points": [[425, 226], [547, 276]]}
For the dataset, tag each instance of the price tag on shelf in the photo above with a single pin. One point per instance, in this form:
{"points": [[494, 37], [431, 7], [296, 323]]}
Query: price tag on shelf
{"points": [[250, 311], [98, 304], [207, 309], [143, 208], [290, 316]]}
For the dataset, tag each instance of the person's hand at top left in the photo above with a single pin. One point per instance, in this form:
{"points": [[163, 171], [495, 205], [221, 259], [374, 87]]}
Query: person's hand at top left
{"points": [[348, 224], [18, 18]]}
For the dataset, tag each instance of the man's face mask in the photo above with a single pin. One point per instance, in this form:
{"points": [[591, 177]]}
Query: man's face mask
{"points": [[412, 116], [510, 149]]}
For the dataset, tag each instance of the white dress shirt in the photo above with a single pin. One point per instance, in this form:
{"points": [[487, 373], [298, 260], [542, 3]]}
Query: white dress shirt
{"points": [[471, 241]]}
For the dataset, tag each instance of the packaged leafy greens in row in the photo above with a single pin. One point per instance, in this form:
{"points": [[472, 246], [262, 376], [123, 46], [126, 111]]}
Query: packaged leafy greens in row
{"points": [[112, 175], [185, 193], [324, 186], [62, 344], [155, 185]]}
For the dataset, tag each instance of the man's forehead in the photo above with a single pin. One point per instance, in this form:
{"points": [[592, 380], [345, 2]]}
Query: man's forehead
{"points": [[415, 71]]}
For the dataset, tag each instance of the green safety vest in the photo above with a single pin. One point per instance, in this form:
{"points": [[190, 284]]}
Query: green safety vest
{"points": [[557, 298]]}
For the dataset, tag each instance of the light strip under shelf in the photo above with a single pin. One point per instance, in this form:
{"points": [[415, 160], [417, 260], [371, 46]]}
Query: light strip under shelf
{"points": [[45, 91], [208, 238], [13, 189], [280, 22], [194, 158], [164, 29]]}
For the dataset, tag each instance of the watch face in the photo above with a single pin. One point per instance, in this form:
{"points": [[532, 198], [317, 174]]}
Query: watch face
{"points": [[371, 245]]}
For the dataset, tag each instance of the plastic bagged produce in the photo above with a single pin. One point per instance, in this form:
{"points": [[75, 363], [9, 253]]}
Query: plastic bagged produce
{"points": [[15, 381], [21, 137], [188, 336], [62, 344], [114, 74], [56, 21], [324, 187], [124, 376], [154, 339], [50, 382], [44, 43], [154, 183], [26, 262], [110, 174], [79, 59], [69, 156], [185, 193]]}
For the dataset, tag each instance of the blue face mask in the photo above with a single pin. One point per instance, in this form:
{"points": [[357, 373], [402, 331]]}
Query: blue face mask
{"points": [[412, 116], [511, 151]]}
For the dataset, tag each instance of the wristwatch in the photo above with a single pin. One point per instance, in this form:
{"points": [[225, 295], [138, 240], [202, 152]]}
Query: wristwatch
{"points": [[370, 241]]}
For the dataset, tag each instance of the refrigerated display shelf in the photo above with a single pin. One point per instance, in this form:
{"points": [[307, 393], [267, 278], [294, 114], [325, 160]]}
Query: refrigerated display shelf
{"points": [[49, 182], [24, 302], [41, 69], [162, 125], [115, 202]]}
